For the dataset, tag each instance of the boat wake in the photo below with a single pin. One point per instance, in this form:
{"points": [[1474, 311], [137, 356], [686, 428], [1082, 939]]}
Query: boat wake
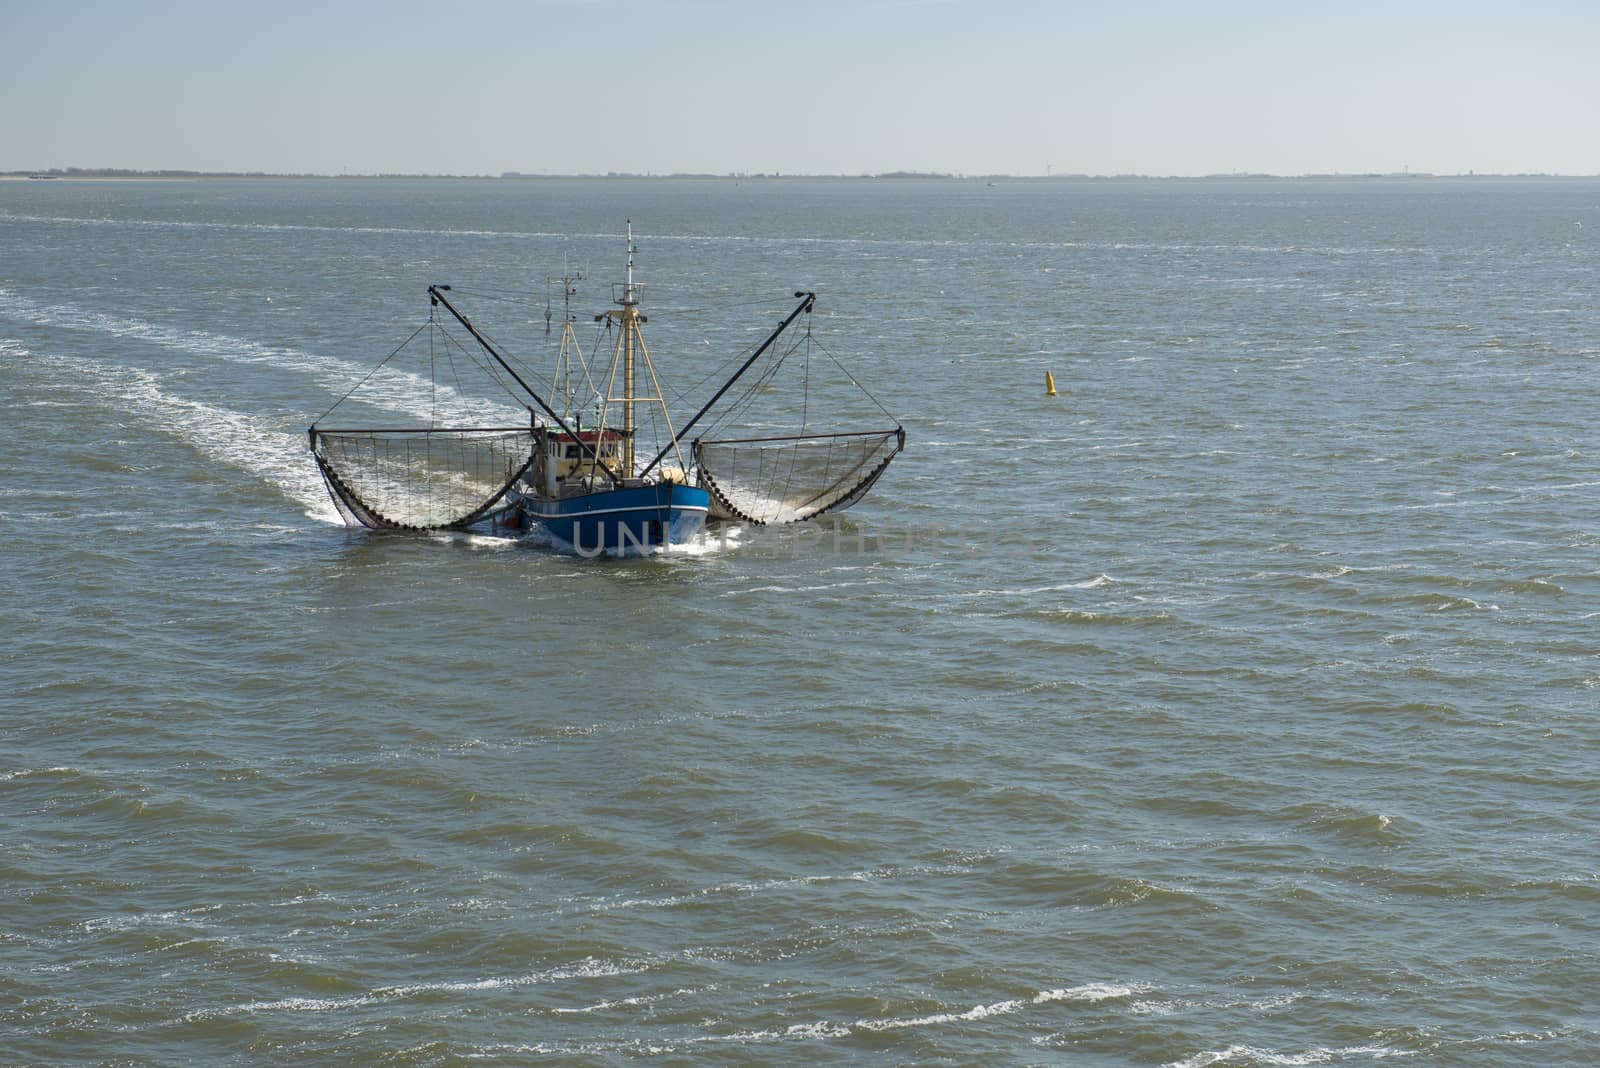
{"points": [[228, 437], [709, 541], [392, 390]]}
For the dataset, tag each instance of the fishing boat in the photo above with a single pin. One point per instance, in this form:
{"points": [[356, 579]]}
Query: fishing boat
{"points": [[598, 488]]}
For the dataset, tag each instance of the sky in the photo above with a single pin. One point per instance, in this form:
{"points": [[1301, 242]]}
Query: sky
{"points": [[976, 87]]}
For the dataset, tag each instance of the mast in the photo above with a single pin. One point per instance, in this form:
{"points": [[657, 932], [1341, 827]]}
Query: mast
{"points": [[628, 340], [630, 326]]}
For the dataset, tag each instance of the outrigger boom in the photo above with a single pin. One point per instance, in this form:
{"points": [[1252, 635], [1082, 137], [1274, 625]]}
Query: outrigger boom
{"points": [[806, 302], [438, 297]]}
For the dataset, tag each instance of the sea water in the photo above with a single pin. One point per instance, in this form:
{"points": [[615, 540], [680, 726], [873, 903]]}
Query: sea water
{"points": [[1236, 706]]}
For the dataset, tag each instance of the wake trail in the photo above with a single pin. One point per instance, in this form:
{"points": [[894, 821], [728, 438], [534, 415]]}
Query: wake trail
{"points": [[228, 437], [388, 389]]}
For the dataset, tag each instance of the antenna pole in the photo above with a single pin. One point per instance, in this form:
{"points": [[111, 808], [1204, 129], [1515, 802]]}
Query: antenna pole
{"points": [[564, 358]]}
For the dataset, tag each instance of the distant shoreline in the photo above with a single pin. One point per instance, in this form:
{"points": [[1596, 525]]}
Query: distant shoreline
{"points": [[117, 174]]}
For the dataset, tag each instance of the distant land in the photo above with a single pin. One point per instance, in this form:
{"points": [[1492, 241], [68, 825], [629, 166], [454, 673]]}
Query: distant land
{"points": [[120, 172]]}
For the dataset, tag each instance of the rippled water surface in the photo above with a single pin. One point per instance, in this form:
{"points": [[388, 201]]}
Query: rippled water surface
{"points": [[1234, 707]]}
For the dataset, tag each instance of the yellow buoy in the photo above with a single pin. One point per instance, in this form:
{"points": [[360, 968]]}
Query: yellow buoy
{"points": [[1049, 385]]}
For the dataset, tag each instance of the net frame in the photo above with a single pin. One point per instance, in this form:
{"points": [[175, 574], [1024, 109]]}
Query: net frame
{"points": [[468, 495], [773, 483]]}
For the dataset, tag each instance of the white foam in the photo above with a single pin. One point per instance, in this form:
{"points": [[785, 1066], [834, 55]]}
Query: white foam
{"points": [[393, 390], [1320, 1055], [487, 542], [284, 1005], [175, 917], [977, 1012], [589, 968], [1155, 1008], [586, 969], [819, 1030], [28, 773], [223, 435], [673, 900], [722, 538], [1098, 582], [1092, 992], [633, 1002]]}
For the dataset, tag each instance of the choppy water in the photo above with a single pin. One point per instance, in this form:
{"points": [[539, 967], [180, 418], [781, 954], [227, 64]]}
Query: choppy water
{"points": [[1235, 707]]}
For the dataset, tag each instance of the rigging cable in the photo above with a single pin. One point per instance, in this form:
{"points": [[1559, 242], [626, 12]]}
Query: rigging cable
{"points": [[374, 371], [858, 385]]}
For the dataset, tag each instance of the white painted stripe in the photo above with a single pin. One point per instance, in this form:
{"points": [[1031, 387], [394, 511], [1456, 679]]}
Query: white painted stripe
{"points": [[610, 511]]}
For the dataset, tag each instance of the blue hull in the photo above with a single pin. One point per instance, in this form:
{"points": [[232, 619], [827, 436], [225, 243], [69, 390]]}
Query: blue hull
{"points": [[622, 522]]}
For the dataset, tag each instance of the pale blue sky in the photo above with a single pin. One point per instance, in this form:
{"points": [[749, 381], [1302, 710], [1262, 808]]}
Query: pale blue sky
{"points": [[829, 86]]}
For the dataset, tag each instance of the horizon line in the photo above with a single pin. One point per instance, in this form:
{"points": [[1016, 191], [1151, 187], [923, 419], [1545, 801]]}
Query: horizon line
{"points": [[127, 172]]}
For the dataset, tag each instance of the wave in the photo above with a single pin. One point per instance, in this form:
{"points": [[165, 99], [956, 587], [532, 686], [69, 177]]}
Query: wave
{"points": [[1439, 602], [784, 242], [275, 228], [1098, 582], [168, 918], [737, 888], [821, 1030], [59, 772], [589, 968], [1348, 821], [1251, 1055], [956, 863], [1088, 618], [1533, 585], [633, 1002]]}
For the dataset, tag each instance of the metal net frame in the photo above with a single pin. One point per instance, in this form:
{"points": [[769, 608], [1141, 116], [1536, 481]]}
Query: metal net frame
{"points": [[420, 479], [775, 480]]}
